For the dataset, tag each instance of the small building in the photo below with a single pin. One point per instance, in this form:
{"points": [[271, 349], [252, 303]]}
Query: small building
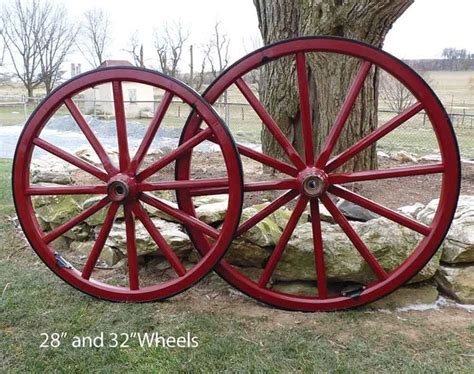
{"points": [[138, 98]]}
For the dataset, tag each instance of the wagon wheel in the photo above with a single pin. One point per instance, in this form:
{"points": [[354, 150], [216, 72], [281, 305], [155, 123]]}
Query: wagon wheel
{"points": [[123, 184], [311, 179]]}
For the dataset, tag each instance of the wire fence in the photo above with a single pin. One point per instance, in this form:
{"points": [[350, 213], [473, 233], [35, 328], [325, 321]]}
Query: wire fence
{"points": [[415, 136]]}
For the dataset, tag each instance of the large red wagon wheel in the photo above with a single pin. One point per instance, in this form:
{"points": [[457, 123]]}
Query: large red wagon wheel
{"points": [[124, 185], [311, 178]]}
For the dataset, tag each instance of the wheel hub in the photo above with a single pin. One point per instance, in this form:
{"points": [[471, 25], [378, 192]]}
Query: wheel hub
{"points": [[313, 182], [121, 188]]}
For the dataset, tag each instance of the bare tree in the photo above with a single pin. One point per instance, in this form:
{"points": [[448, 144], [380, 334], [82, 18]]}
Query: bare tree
{"points": [[95, 37], [4, 47], [197, 78], [55, 40], [21, 24], [218, 51], [394, 94], [169, 43], [136, 50]]}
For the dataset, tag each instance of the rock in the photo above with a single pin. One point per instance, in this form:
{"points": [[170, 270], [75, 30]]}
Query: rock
{"points": [[282, 216], [58, 209], [211, 199], [389, 242], [381, 154], [411, 210], [110, 256], [265, 233], [325, 215], [403, 156], [297, 261], [212, 213], [244, 253], [461, 282], [88, 154], [172, 232], [61, 244], [252, 273], [355, 212], [81, 232], [296, 288], [148, 114], [154, 212], [405, 296], [458, 247], [431, 158], [50, 170]]}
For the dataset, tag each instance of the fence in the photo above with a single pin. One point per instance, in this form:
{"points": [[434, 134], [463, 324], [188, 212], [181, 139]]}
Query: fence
{"points": [[415, 136]]}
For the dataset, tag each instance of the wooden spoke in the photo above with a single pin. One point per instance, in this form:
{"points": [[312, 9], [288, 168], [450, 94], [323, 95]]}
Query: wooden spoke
{"points": [[151, 131], [174, 155], [181, 216], [318, 249], [270, 123], [58, 152], [100, 241], [132, 256], [65, 227], [89, 134], [354, 238], [67, 190], [163, 246], [373, 137], [344, 113], [122, 138], [305, 108], [381, 210], [285, 237], [385, 173]]}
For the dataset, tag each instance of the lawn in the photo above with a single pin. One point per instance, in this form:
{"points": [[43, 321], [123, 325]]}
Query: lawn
{"points": [[234, 333]]}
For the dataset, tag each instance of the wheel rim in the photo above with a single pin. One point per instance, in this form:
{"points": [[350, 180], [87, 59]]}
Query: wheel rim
{"points": [[312, 181], [124, 185]]}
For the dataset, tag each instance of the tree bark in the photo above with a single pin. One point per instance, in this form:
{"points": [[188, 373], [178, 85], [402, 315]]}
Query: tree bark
{"points": [[330, 76]]}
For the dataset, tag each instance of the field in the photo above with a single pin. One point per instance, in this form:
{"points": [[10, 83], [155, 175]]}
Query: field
{"points": [[456, 90]]}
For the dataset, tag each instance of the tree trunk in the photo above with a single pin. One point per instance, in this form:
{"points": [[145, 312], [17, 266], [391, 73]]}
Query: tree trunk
{"points": [[29, 89], [329, 75]]}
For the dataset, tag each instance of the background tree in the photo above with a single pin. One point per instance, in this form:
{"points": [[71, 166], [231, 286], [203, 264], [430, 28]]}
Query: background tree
{"points": [[217, 50], [56, 38], [169, 43], [197, 77], [136, 50], [21, 24], [330, 76], [95, 39]]}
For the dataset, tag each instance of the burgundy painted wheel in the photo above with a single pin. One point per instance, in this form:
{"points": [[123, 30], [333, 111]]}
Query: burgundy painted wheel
{"points": [[124, 184], [312, 179]]}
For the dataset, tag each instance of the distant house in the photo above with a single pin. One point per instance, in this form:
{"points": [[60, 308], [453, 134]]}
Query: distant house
{"points": [[138, 98]]}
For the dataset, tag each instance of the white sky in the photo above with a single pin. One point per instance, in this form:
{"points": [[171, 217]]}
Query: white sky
{"points": [[422, 32]]}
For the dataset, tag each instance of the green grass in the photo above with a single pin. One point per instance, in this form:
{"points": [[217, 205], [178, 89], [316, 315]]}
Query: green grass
{"points": [[6, 202], [36, 302], [235, 334]]}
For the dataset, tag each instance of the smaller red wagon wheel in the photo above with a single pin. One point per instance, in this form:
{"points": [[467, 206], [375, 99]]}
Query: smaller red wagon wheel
{"points": [[125, 185], [312, 178]]}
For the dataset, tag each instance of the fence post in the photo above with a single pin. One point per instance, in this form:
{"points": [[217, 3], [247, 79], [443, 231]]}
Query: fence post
{"points": [[25, 110]]}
